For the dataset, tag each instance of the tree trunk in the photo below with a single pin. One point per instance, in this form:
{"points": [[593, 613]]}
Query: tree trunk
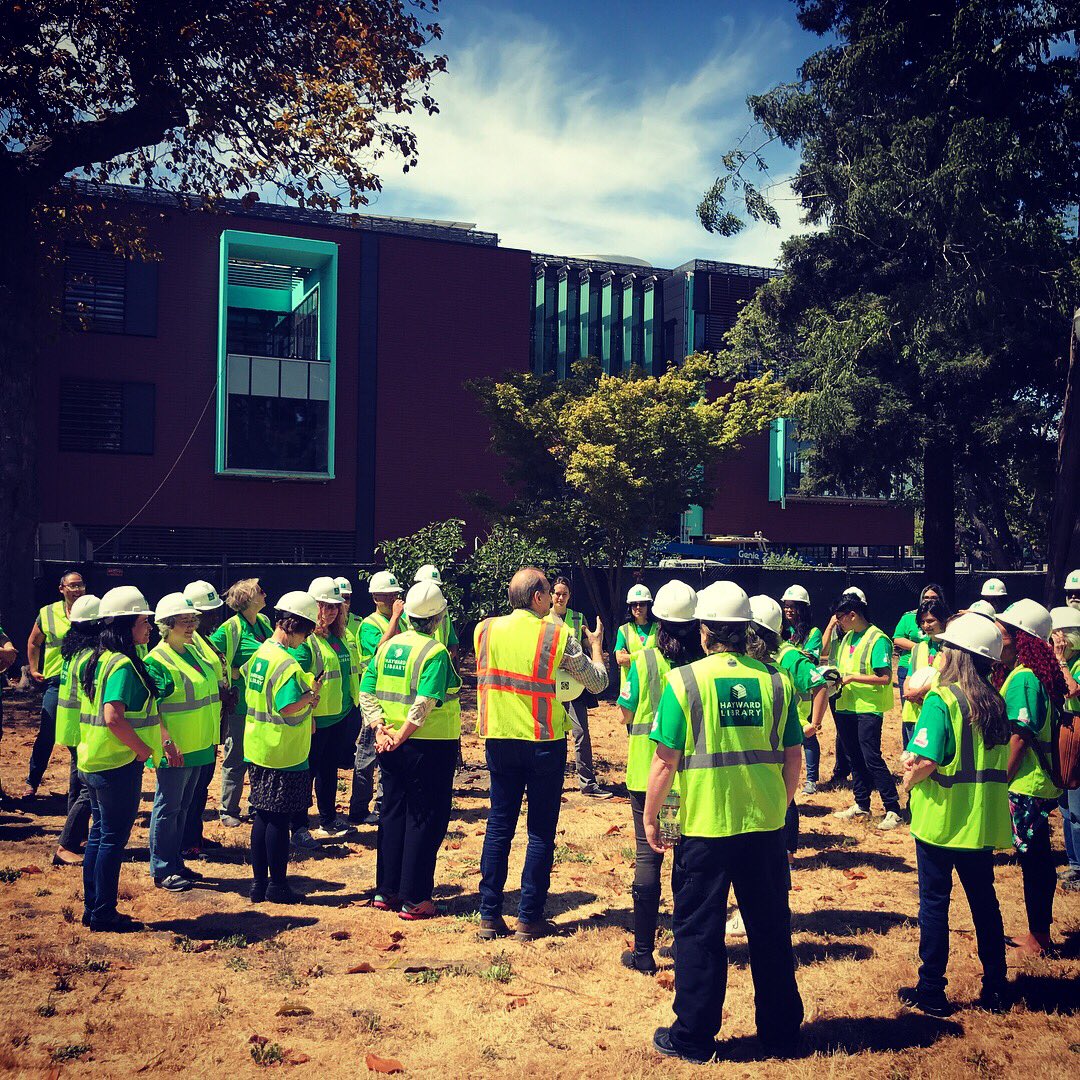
{"points": [[939, 517], [1066, 508], [21, 309]]}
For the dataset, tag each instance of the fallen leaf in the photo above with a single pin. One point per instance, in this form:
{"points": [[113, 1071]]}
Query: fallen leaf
{"points": [[29, 869], [258, 1040], [383, 1065], [613, 829], [295, 1057], [851, 885], [666, 979], [796, 888], [454, 845], [341, 935], [203, 946], [601, 1045], [290, 1008], [360, 969], [519, 993], [854, 875], [516, 1003]]}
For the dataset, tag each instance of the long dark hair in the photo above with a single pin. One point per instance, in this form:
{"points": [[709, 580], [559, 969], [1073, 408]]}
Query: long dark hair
{"points": [[116, 637], [798, 629], [679, 643], [82, 635], [761, 643], [972, 675], [938, 608], [931, 586]]}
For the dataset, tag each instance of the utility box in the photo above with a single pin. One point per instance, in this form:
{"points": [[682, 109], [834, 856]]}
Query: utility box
{"points": [[60, 541]]}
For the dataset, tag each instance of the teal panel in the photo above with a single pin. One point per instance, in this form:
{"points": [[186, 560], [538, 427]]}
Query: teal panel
{"points": [[778, 462], [605, 322], [627, 322], [539, 322], [584, 315], [688, 316], [648, 319], [561, 324]]}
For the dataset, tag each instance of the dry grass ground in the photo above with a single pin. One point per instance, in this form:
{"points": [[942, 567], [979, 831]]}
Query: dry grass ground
{"points": [[215, 971]]}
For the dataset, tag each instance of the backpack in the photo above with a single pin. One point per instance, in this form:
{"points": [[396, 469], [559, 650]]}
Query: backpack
{"points": [[1063, 768]]}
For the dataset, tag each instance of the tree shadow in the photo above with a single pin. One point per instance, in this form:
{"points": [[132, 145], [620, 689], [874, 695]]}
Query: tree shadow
{"points": [[21, 831], [842, 922], [818, 841], [813, 810], [255, 925], [806, 952], [557, 905], [1047, 994], [850, 858]]}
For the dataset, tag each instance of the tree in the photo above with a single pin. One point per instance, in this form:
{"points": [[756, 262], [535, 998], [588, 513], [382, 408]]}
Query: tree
{"points": [[921, 325], [439, 544], [303, 98], [601, 465]]}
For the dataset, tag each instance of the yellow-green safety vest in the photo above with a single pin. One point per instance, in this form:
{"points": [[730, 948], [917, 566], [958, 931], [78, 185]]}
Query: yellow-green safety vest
{"points": [[964, 804], [72, 700], [517, 656], [55, 623], [732, 768], [270, 739], [1072, 705], [398, 666], [574, 621], [651, 667], [210, 655], [920, 658], [383, 624], [858, 697], [99, 749], [233, 629], [1031, 778], [634, 644], [191, 712], [324, 662], [352, 643], [442, 631]]}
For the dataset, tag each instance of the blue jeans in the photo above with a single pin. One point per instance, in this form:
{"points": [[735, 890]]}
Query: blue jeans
{"points": [[1070, 816], [46, 736], [114, 802], [976, 872], [518, 766], [812, 750], [175, 790]]}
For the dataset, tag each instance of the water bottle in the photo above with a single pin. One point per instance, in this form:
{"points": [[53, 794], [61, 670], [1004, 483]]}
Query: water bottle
{"points": [[669, 820]]}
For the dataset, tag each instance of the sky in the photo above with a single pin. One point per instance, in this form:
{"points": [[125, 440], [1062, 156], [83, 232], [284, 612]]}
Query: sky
{"points": [[594, 127]]}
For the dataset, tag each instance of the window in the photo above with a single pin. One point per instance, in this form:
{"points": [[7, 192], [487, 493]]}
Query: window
{"points": [[276, 363], [98, 417], [107, 294]]}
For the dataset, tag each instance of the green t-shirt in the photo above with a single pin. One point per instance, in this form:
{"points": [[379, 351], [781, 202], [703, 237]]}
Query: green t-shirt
{"points": [[371, 635], [125, 687], [631, 691], [907, 627], [812, 644], [163, 683], [251, 637], [804, 673], [933, 737], [1026, 702], [643, 632], [669, 727]]}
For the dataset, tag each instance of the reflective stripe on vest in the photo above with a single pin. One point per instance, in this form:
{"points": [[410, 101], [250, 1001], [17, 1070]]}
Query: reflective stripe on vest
{"points": [[99, 749], [649, 690], [961, 770], [324, 662], [444, 721], [1032, 778], [270, 739], [499, 689], [651, 667], [872, 699], [54, 626], [382, 624], [417, 662], [192, 711], [72, 701], [208, 653]]}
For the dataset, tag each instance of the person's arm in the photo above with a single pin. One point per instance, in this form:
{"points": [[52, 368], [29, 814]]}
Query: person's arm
{"points": [[393, 628], [819, 703], [387, 741], [916, 770], [589, 671], [173, 754], [8, 655], [665, 762], [881, 677], [34, 651], [903, 644], [118, 726], [1017, 748], [792, 770], [915, 694], [623, 656], [1057, 641], [827, 636]]}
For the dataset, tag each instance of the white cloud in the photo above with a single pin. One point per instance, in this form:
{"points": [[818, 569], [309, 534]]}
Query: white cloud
{"points": [[529, 144]]}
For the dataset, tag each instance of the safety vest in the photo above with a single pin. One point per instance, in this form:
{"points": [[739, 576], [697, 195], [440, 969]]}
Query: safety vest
{"points": [[732, 768], [1072, 705], [573, 620], [634, 644], [857, 697], [383, 624], [920, 658], [964, 803], [324, 662], [210, 655], [99, 748], [270, 739], [517, 656], [54, 622], [398, 666], [72, 700], [1031, 778], [442, 631], [651, 667], [352, 643], [191, 713], [233, 629]]}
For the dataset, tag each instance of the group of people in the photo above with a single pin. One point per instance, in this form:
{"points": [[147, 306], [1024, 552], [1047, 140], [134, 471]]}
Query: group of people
{"points": [[723, 695]]}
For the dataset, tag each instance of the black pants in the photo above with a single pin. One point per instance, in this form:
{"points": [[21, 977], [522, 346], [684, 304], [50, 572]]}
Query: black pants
{"points": [[1040, 879], [418, 787], [791, 828], [705, 869], [646, 888], [841, 765], [77, 825], [323, 760], [46, 736], [976, 872], [860, 735], [269, 846], [193, 823]]}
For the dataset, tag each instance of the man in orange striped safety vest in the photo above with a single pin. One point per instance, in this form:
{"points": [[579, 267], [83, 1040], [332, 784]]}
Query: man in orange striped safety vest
{"points": [[524, 731]]}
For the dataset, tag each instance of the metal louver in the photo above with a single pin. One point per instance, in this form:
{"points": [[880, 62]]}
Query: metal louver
{"points": [[94, 288]]}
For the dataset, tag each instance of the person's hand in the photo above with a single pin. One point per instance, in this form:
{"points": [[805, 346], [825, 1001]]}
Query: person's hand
{"points": [[594, 637], [809, 731], [142, 753], [831, 624], [397, 610], [36, 676], [384, 740], [1057, 640], [652, 835], [846, 680], [173, 756]]}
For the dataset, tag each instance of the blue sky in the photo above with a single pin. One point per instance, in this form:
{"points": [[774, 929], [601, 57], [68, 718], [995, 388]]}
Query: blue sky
{"points": [[594, 127]]}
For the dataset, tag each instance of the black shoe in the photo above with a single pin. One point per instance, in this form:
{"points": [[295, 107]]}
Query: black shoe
{"points": [[636, 961], [122, 924], [258, 892], [191, 875], [490, 929], [994, 999], [932, 1004], [211, 845], [662, 1044], [86, 918], [372, 819], [667, 952], [284, 894]]}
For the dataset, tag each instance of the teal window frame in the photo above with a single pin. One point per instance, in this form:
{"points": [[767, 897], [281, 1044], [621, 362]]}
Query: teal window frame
{"points": [[321, 255]]}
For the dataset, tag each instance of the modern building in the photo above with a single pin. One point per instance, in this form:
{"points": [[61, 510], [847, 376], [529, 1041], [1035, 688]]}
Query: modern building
{"points": [[288, 385]]}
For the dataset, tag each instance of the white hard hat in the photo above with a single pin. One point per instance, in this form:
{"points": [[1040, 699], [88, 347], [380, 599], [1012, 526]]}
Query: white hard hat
{"points": [[994, 587], [382, 582], [1061, 618], [344, 585], [920, 678], [639, 593], [983, 607], [974, 634], [854, 590], [796, 593], [766, 612], [567, 688], [325, 590], [675, 602], [423, 600], [1028, 615], [300, 603], [203, 595], [1073, 581], [173, 604], [85, 609], [723, 601], [123, 600], [427, 572]]}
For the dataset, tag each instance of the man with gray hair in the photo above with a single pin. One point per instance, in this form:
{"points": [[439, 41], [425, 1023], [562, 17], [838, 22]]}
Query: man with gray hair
{"points": [[524, 731]]}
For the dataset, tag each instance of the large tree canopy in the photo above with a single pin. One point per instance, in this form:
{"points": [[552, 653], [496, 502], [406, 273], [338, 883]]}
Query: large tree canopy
{"points": [[924, 322]]}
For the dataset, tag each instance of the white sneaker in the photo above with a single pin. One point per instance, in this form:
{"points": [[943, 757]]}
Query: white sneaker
{"points": [[852, 811], [735, 926], [302, 838], [891, 820]]}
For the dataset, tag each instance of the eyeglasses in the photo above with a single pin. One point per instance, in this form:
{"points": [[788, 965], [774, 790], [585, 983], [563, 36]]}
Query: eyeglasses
{"points": [[640, 603]]}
